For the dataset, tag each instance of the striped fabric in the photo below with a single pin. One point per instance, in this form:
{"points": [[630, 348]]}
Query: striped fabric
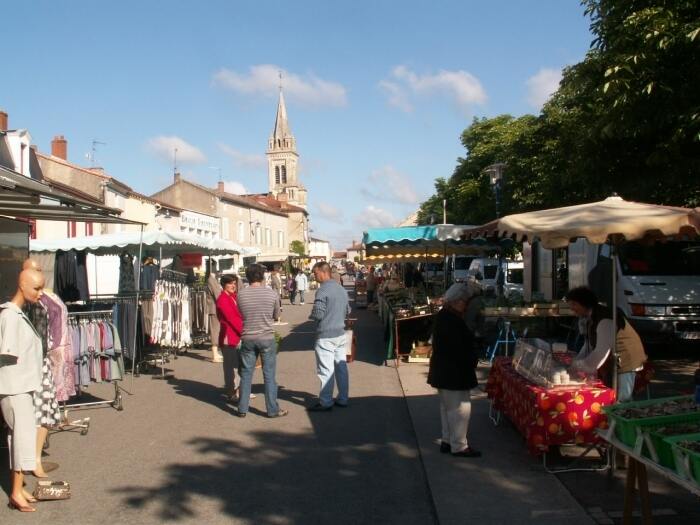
{"points": [[259, 306]]}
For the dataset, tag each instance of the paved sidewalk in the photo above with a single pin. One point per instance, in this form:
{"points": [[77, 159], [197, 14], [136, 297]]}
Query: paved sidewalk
{"points": [[177, 454], [506, 485]]}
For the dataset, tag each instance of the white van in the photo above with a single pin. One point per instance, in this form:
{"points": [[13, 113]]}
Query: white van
{"points": [[514, 279], [658, 285], [460, 267], [483, 272]]}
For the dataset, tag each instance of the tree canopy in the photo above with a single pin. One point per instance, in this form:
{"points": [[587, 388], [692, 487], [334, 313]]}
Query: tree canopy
{"points": [[626, 119]]}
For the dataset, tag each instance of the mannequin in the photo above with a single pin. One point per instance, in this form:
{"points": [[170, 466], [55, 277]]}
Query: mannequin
{"points": [[20, 377], [213, 291], [42, 432]]}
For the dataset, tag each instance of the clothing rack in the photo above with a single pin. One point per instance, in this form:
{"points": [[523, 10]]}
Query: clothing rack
{"points": [[116, 402], [173, 275]]}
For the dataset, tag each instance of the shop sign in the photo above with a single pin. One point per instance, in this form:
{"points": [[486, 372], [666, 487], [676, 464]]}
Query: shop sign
{"points": [[199, 222]]}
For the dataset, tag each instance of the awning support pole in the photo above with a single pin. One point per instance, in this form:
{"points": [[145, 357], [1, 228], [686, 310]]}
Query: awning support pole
{"points": [[136, 314], [613, 252]]}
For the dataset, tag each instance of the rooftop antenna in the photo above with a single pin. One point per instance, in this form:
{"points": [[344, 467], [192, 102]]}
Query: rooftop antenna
{"points": [[174, 160], [93, 149], [279, 73]]}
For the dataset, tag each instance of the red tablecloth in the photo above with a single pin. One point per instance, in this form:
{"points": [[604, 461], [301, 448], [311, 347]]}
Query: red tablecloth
{"points": [[548, 416]]}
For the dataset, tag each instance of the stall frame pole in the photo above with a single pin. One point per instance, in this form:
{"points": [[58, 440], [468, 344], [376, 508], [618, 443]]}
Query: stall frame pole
{"points": [[136, 316]]}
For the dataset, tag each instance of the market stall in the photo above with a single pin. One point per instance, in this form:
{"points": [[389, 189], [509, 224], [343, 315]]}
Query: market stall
{"points": [[156, 314], [407, 310], [635, 427]]}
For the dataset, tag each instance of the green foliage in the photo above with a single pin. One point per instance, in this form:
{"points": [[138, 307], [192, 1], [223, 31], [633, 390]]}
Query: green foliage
{"points": [[626, 119], [297, 247]]}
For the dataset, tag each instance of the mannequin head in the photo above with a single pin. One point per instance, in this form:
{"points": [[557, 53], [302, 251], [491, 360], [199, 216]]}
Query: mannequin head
{"points": [[31, 264], [30, 287]]}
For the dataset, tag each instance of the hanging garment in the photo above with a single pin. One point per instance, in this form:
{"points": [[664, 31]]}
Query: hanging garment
{"points": [[45, 405], [127, 282], [59, 346]]}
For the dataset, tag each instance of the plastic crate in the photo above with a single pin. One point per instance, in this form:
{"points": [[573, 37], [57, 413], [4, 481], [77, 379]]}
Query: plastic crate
{"points": [[663, 448], [626, 428], [687, 461]]}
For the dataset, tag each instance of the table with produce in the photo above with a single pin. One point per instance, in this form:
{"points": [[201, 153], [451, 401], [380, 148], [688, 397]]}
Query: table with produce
{"points": [[547, 402]]}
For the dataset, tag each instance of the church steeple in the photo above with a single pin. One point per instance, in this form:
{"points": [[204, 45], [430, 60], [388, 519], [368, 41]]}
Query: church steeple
{"points": [[282, 159], [281, 138]]}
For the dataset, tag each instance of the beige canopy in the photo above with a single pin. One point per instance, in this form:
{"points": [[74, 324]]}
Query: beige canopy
{"points": [[613, 218]]}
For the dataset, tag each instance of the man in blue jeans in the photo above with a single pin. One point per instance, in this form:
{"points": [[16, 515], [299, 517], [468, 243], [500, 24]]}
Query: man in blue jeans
{"points": [[260, 307], [330, 309]]}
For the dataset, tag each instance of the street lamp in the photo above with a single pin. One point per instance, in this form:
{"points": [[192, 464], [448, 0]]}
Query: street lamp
{"points": [[495, 173]]}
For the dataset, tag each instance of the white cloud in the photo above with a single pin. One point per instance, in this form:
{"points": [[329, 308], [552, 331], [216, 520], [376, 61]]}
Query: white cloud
{"points": [[330, 213], [164, 148], [244, 160], [235, 187], [462, 87], [263, 79], [396, 96], [387, 183], [541, 86], [373, 217]]}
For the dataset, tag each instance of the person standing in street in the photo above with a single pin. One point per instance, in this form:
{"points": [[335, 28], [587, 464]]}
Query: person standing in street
{"points": [[231, 324], [331, 308], [259, 307], [302, 284], [276, 283], [292, 286], [453, 371]]}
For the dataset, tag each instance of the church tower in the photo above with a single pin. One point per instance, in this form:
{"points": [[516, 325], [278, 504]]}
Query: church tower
{"points": [[283, 161]]}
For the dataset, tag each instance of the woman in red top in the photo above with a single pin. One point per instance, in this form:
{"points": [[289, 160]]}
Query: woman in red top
{"points": [[230, 334]]}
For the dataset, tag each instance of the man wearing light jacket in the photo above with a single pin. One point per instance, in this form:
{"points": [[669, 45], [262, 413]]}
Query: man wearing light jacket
{"points": [[330, 309], [302, 284]]}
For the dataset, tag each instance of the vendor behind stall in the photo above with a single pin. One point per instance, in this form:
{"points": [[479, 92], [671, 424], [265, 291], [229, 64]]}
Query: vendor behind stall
{"points": [[598, 329]]}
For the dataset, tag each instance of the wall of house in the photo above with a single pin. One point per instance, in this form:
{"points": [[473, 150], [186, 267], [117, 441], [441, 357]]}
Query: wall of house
{"points": [[81, 180], [187, 196]]}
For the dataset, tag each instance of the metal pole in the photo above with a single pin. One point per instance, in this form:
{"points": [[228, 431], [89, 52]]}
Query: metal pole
{"points": [[614, 315], [136, 315]]}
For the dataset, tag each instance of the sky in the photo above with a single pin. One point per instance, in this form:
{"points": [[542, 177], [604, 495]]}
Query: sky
{"points": [[378, 92]]}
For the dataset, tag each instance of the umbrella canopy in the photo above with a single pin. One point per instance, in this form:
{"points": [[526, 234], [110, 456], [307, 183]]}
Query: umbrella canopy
{"points": [[416, 243], [115, 243], [612, 218]]}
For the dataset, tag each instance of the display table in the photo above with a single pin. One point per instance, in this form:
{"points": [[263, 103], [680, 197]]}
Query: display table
{"points": [[548, 416]]}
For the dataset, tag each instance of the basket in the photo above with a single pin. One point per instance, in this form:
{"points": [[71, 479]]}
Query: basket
{"points": [[664, 451], [626, 428], [687, 461]]}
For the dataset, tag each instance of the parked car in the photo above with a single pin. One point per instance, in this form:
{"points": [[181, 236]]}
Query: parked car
{"points": [[513, 285]]}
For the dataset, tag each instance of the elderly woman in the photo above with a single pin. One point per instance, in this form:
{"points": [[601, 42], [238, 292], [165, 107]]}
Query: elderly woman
{"points": [[231, 328], [453, 371], [20, 376], [597, 327]]}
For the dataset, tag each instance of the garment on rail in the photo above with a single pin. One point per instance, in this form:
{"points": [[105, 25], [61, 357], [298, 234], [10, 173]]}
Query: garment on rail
{"points": [[70, 276], [59, 346], [97, 351], [171, 315]]}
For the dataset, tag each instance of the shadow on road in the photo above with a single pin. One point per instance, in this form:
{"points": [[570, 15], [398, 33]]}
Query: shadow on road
{"points": [[275, 477]]}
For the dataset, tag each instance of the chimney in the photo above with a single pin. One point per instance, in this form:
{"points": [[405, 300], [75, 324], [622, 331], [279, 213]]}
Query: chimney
{"points": [[220, 186], [59, 147], [3, 120], [177, 177]]}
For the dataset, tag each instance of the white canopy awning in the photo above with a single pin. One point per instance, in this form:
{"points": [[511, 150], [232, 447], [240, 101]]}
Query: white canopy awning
{"points": [[596, 222], [114, 243]]}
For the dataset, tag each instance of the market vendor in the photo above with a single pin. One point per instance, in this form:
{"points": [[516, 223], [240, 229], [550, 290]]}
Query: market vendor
{"points": [[453, 370], [594, 357]]}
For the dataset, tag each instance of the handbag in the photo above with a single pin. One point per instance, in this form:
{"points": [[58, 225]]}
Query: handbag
{"points": [[52, 490]]}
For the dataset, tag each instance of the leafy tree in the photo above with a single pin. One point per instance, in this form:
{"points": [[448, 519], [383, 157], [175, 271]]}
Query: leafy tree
{"points": [[626, 119], [297, 247]]}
